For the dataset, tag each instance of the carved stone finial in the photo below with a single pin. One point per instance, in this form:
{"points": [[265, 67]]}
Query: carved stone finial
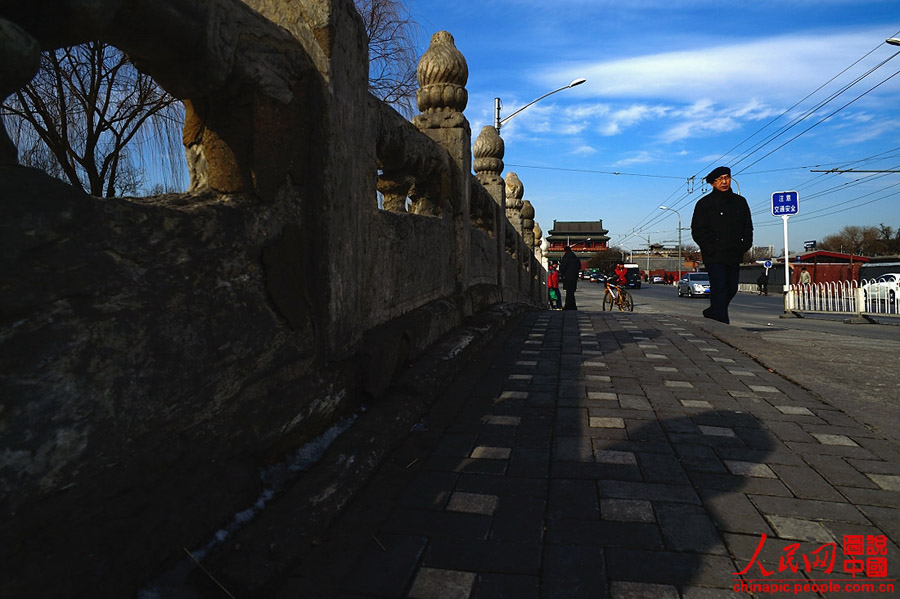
{"points": [[514, 192], [527, 214], [527, 211], [488, 152], [442, 75], [538, 233]]}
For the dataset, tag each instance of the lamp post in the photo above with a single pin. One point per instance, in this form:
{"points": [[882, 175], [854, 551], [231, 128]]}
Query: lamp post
{"points": [[680, 261], [498, 122], [894, 41], [639, 236], [648, 250]]}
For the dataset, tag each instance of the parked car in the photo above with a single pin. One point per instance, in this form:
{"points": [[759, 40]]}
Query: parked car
{"points": [[694, 284], [656, 279], [633, 276], [885, 287]]}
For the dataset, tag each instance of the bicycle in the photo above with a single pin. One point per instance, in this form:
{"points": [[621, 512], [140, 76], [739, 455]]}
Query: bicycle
{"points": [[618, 297]]}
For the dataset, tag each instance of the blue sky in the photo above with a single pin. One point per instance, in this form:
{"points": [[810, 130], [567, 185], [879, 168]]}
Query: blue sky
{"points": [[677, 87]]}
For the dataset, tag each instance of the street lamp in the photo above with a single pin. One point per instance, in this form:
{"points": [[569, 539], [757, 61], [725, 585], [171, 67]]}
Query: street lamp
{"points": [[633, 234], [498, 122], [680, 261], [894, 41]]}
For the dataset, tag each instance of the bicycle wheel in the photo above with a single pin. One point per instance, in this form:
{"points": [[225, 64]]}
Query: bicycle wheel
{"points": [[627, 302], [608, 301]]}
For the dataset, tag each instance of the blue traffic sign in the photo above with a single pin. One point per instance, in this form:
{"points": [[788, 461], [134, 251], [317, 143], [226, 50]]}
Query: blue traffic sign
{"points": [[767, 264], [785, 203]]}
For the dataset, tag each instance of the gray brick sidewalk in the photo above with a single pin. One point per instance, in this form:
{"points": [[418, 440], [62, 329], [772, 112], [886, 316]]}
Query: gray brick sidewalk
{"points": [[614, 455]]}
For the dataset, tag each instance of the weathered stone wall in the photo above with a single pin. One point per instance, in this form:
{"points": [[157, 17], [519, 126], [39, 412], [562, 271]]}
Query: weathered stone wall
{"points": [[156, 352]]}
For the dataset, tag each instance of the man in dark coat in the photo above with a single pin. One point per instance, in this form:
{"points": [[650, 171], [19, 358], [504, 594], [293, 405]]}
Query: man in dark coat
{"points": [[569, 267], [723, 229]]}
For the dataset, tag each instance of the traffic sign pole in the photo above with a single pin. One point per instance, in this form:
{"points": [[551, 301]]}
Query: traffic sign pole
{"points": [[785, 204], [788, 297]]}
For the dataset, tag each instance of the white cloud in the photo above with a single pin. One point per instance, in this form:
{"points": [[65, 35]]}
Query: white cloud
{"points": [[777, 69], [642, 157], [755, 110], [587, 111], [637, 113], [700, 119], [697, 128], [860, 128], [584, 150]]}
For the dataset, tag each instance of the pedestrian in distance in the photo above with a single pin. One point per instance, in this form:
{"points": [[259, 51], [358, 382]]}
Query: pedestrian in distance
{"points": [[553, 288], [723, 228], [805, 279], [569, 267], [762, 283]]}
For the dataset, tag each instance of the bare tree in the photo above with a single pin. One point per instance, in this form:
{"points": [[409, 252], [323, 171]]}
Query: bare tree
{"points": [[97, 116], [90, 117], [864, 241], [760, 253], [890, 239], [606, 259], [392, 55]]}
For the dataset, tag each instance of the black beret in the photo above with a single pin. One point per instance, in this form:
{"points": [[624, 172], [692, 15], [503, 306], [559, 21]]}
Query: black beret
{"points": [[718, 172]]}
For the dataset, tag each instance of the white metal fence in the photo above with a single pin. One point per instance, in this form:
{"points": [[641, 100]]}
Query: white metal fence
{"points": [[865, 298]]}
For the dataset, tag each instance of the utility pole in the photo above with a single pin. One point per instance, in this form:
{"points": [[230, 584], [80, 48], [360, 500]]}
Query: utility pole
{"points": [[680, 261]]}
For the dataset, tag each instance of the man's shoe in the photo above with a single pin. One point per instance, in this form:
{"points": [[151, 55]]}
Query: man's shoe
{"points": [[711, 316]]}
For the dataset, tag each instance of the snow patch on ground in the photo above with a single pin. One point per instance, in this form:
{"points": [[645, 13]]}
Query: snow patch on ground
{"points": [[172, 585]]}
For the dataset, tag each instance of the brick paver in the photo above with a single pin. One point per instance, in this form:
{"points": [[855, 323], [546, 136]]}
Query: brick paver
{"points": [[633, 455]]}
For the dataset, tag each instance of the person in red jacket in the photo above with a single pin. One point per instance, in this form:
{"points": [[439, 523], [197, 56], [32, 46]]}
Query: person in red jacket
{"points": [[553, 288], [620, 271]]}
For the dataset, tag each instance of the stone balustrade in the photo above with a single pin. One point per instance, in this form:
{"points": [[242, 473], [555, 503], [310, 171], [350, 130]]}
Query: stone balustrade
{"points": [[158, 351]]}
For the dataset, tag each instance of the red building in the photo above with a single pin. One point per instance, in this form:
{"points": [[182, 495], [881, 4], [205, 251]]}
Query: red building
{"points": [[586, 238], [824, 266]]}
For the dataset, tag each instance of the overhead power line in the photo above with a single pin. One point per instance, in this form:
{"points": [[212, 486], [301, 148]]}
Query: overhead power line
{"points": [[831, 114], [809, 95], [842, 208], [596, 172], [837, 170], [651, 218]]}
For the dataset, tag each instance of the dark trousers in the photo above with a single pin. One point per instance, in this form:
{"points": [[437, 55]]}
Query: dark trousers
{"points": [[570, 297], [723, 286]]}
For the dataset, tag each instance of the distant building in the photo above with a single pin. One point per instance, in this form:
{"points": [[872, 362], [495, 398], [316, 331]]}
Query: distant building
{"points": [[826, 257], [586, 238]]}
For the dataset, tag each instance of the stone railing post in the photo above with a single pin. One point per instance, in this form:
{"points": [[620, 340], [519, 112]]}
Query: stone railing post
{"points": [[442, 74], [540, 276], [527, 214], [538, 234], [514, 192], [488, 151]]}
